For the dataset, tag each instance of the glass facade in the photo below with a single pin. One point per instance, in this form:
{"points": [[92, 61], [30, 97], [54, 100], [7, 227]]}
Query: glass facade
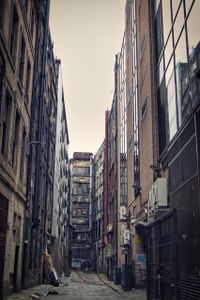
{"points": [[177, 40]]}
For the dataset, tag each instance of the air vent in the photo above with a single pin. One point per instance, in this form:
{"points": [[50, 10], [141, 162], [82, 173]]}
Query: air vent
{"points": [[184, 167], [189, 161], [175, 174], [187, 133], [173, 150], [189, 289], [182, 157], [181, 140]]}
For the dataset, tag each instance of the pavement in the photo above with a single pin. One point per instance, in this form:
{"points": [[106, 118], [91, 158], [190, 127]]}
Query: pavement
{"points": [[31, 293], [117, 288], [80, 286]]}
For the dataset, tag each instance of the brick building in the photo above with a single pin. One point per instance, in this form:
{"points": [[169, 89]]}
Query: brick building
{"points": [[162, 77], [141, 130]]}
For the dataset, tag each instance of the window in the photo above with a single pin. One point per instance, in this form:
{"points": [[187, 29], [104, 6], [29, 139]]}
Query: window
{"points": [[23, 157], [158, 33], [14, 31], [81, 171], [192, 28], [16, 140], [179, 91], [188, 4], [22, 60], [6, 116], [179, 22], [161, 116], [166, 12], [168, 50], [175, 5], [171, 102], [181, 75]]}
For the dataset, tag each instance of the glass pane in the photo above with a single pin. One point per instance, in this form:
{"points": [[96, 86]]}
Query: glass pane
{"points": [[156, 4], [195, 74], [168, 50], [160, 72], [193, 28], [178, 23], [158, 33], [194, 51], [161, 116], [188, 4], [166, 10], [181, 73], [169, 71], [181, 51], [171, 101], [175, 4]]}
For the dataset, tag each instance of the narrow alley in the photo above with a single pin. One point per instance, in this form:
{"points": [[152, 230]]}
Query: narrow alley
{"points": [[99, 149], [81, 285]]}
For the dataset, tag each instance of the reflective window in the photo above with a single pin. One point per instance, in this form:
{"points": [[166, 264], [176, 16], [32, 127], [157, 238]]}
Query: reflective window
{"points": [[175, 5], [193, 28], [171, 103], [168, 50], [156, 5], [181, 73], [178, 79], [188, 4], [160, 71], [158, 33], [166, 18], [161, 116], [194, 66], [179, 22], [181, 50]]}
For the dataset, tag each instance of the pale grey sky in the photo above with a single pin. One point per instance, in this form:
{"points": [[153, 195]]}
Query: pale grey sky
{"points": [[87, 34]]}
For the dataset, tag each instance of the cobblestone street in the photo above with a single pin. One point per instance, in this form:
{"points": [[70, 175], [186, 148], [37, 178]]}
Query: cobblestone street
{"points": [[81, 286]]}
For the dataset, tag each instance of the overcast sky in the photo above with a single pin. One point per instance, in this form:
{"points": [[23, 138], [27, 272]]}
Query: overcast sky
{"points": [[87, 34]]}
